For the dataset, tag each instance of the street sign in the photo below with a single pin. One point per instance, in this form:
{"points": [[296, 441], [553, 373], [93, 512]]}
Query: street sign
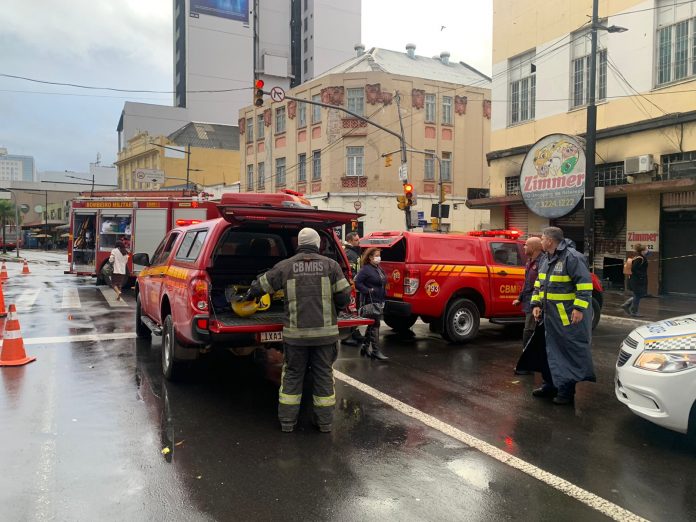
{"points": [[149, 176], [403, 172], [38, 209], [277, 94], [357, 205]]}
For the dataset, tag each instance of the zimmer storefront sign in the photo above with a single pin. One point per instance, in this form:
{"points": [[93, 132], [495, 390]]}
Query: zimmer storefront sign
{"points": [[553, 176]]}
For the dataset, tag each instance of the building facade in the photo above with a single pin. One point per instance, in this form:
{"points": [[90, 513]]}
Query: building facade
{"points": [[16, 168], [339, 161], [646, 124], [213, 164]]}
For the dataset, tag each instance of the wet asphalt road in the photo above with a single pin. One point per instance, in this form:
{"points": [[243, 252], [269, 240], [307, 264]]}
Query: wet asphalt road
{"points": [[83, 429]]}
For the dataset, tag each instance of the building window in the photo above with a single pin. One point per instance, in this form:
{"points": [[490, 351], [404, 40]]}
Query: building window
{"points": [[446, 166], [261, 183], [676, 40], [429, 173], [306, 44], [305, 4], [305, 65], [356, 100], [301, 115], [512, 186], [679, 165], [610, 174], [522, 88], [447, 110], [430, 108], [250, 130], [280, 120], [355, 157], [316, 109], [280, 172], [250, 177], [316, 165], [302, 167], [581, 44], [306, 24], [259, 127]]}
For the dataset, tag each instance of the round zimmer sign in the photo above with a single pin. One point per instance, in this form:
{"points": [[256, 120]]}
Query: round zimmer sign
{"points": [[553, 176]]}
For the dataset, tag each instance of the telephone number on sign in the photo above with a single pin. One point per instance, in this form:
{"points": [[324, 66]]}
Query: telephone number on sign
{"points": [[554, 203]]}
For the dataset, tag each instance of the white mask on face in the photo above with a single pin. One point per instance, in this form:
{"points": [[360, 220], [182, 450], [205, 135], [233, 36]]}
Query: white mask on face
{"points": [[376, 260]]}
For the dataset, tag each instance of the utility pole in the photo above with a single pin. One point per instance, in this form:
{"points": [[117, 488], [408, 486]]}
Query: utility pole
{"points": [[188, 164], [403, 169], [591, 142]]}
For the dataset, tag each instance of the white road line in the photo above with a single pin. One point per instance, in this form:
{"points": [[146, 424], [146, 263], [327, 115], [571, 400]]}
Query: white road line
{"points": [[26, 299], [71, 299], [80, 338], [589, 499], [110, 297]]}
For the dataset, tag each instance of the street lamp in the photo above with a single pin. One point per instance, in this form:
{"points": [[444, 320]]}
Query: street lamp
{"points": [[591, 133]]}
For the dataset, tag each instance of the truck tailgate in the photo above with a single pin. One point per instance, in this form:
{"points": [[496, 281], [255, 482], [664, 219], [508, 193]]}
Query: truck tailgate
{"points": [[270, 321]]}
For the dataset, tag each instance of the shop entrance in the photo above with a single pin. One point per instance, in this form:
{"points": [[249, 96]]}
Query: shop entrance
{"points": [[678, 231]]}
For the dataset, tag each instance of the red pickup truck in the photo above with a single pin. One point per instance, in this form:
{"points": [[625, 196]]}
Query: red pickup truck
{"points": [[452, 281], [183, 293]]}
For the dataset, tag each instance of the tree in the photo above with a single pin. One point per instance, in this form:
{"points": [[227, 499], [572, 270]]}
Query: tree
{"points": [[7, 209]]}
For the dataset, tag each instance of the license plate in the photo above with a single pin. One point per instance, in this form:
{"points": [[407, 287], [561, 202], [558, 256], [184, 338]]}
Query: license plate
{"points": [[271, 337]]}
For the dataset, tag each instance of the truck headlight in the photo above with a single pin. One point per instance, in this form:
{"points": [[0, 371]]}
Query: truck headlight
{"points": [[665, 362]]}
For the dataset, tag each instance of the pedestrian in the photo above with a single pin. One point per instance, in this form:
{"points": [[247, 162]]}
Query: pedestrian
{"points": [[352, 248], [637, 280], [532, 249], [314, 288], [119, 261], [562, 299], [371, 282]]}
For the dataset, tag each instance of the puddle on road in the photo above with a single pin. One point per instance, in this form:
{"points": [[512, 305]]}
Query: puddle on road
{"points": [[471, 472]]}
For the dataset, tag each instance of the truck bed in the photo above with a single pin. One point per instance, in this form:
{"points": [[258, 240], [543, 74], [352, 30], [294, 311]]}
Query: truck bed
{"points": [[269, 321]]}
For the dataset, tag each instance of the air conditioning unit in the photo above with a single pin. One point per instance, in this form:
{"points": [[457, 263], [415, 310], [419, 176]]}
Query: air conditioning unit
{"points": [[638, 164]]}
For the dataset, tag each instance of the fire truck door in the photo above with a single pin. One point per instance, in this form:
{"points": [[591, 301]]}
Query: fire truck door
{"points": [[507, 277], [150, 228]]}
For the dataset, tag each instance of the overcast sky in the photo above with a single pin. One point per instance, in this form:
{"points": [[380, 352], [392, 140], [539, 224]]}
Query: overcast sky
{"points": [[128, 44]]}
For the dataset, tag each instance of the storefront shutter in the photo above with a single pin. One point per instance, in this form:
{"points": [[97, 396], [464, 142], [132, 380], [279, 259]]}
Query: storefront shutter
{"points": [[517, 217]]}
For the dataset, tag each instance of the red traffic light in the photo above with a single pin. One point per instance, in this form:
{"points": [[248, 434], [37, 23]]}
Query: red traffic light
{"points": [[259, 84], [408, 189]]}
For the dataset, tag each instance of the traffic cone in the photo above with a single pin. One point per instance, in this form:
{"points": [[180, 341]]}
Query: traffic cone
{"points": [[13, 353], [25, 268], [3, 312], [3, 273]]}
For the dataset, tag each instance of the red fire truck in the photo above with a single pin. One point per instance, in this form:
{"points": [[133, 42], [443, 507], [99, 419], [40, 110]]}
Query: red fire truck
{"points": [[138, 218]]}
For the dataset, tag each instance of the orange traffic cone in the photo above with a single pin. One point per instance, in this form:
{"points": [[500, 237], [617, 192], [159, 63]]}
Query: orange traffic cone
{"points": [[25, 268], [3, 312], [13, 353], [3, 273]]}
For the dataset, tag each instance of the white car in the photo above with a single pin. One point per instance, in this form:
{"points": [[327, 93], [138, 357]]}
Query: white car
{"points": [[656, 373]]}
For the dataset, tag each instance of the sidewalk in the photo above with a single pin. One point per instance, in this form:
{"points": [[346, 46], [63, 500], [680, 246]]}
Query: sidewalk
{"points": [[651, 308]]}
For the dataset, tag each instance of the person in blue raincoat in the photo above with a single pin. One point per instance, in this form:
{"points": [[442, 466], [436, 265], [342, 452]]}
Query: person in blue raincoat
{"points": [[563, 300]]}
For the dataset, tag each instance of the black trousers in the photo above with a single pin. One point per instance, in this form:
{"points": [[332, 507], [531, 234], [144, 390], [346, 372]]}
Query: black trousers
{"points": [[319, 360]]}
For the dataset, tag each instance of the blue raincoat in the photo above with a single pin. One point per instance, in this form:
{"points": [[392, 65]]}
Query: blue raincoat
{"points": [[563, 285]]}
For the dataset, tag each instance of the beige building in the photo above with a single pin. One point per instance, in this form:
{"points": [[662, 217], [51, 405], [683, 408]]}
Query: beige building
{"points": [[646, 124], [213, 166], [337, 160]]}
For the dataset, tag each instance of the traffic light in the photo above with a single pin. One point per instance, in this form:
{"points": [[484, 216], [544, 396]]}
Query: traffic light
{"points": [[258, 92], [409, 194], [401, 202], [354, 225], [387, 160]]}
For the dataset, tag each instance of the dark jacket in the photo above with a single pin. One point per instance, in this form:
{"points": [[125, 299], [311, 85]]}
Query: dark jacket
{"points": [[353, 255], [639, 275], [531, 271], [314, 288], [370, 282]]}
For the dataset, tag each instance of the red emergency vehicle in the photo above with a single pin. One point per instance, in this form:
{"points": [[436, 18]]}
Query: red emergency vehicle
{"points": [[138, 218], [452, 281]]}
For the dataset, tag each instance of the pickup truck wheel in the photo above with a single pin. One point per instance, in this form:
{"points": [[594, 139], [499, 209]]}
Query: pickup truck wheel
{"points": [[462, 321], [142, 331], [400, 323], [596, 313], [171, 368]]}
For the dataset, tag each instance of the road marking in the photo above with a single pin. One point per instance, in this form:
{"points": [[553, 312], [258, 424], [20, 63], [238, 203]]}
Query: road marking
{"points": [[110, 296], [596, 502], [71, 298], [26, 299], [80, 338]]}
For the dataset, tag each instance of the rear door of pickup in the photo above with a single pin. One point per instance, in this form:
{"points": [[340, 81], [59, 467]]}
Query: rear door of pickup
{"points": [[506, 266], [299, 216], [393, 246], [152, 277]]}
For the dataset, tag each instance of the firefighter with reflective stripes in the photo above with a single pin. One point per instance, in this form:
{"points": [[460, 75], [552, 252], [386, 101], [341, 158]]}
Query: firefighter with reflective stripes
{"points": [[315, 288], [563, 300]]}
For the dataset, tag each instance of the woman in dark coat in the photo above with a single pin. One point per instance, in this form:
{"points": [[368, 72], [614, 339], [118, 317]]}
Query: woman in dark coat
{"points": [[371, 282], [638, 281]]}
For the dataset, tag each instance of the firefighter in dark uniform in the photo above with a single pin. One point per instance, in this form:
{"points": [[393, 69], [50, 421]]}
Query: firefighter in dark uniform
{"points": [[315, 288], [563, 300]]}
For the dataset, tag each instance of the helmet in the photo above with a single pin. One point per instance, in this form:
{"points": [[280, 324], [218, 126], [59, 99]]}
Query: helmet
{"points": [[247, 308]]}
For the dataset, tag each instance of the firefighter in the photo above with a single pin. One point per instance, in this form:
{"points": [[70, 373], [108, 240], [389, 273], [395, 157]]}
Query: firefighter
{"points": [[563, 297], [314, 288]]}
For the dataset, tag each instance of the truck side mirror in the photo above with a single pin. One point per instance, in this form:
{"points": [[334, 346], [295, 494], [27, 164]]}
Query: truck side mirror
{"points": [[141, 259]]}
